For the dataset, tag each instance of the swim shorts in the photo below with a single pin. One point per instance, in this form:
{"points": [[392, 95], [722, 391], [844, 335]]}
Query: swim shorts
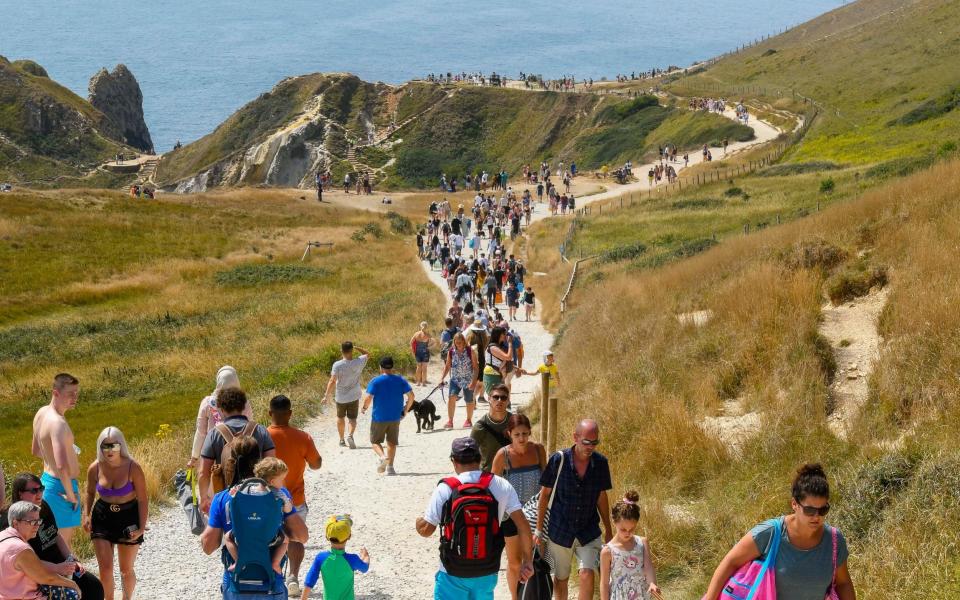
{"points": [[65, 514]]}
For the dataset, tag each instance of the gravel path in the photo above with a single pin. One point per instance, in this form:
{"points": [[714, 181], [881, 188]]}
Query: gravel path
{"points": [[171, 564]]}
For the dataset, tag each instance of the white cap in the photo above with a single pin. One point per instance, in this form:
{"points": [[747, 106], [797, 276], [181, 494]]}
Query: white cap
{"points": [[547, 353]]}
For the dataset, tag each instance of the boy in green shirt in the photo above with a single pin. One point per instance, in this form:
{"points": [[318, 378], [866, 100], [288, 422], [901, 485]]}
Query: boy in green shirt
{"points": [[336, 566]]}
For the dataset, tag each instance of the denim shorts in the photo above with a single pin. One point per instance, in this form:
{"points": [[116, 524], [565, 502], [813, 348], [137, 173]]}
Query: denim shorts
{"points": [[465, 392]]}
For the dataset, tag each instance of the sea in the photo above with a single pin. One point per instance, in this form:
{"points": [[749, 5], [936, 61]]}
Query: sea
{"points": [[198, 62]]}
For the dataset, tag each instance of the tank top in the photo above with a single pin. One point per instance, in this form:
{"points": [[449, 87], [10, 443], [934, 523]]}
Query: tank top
{"points": [[14, 583], [525, 480], [627, 581]]}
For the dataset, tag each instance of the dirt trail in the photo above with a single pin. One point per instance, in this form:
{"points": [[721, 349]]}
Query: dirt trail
{"points": [[851, 329]]}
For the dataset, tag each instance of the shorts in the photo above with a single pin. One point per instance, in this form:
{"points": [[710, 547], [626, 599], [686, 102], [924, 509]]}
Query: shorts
{"points": [[464, 391], [422, 354], [448, 587], [65, 514], [490, 380], [385, 429], [112, 521], [589, 557], [303, 510], [509, 528], [350, 410]]}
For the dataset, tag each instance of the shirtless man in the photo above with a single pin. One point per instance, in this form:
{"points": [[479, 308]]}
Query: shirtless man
{"points": [[53, 443]]}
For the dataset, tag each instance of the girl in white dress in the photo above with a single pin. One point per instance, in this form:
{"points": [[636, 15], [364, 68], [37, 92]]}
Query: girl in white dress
{"points": [[626, 571]]}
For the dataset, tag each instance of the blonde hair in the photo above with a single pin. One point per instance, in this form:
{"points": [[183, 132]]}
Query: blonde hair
{"points": [[115, 434], [269, 468]]}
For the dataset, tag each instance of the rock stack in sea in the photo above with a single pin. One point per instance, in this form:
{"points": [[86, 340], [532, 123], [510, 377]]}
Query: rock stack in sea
{"points": [[117, 95]]}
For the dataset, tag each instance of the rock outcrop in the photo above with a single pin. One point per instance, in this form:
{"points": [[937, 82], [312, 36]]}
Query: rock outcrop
{"points": [[117, 95]]}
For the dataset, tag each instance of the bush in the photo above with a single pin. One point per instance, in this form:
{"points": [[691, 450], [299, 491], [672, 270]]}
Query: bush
{"points": [[827, 185], [627, 252], [267, 273], [799, 168], [855, 282], [697, 203], [931, 109], [813, 254], [899, 167], [399, 224], [361, 234], [734, 191], [871, 490]]}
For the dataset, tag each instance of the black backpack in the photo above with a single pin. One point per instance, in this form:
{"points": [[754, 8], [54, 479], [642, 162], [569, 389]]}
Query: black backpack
{"points": [[540, 584], [471, 540]]}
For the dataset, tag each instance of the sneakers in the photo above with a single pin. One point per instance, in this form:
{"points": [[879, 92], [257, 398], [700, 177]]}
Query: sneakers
{"points": [[293, 586], [351, 443], [448, 424], [343, 444], [467, 424], [382, 465], [390, 470]]}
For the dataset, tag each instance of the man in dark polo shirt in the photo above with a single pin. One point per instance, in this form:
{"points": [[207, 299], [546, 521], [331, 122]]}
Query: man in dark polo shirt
{"points": [[579, 504]]}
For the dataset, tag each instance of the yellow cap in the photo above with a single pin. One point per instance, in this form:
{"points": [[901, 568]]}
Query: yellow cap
{"points": [[338, 528]]}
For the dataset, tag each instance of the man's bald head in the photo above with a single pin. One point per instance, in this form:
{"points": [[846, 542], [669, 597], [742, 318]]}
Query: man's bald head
{"points": [[587, 428]]}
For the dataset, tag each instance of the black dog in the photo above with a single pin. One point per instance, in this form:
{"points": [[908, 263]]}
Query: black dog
{"points": [[426, 413]]}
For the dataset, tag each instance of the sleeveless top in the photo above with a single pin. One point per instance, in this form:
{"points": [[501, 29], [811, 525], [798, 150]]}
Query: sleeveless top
{"points": [[525, 480], [14, 583], [461, 366], [627, 581], [124, 490]]}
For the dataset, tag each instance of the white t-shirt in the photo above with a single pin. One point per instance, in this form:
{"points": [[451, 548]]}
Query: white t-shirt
{"points": [[507, 500], [348, 374]]}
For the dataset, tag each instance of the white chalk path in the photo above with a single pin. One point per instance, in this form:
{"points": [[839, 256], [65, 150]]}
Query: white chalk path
{"points": [[171, 564]]}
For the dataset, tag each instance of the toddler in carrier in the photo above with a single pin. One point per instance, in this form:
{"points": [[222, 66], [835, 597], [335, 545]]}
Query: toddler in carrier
{"points": [[274, 472]]}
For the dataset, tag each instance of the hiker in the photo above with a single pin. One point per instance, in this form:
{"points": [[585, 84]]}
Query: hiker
{"points": [[48, 545], [626, 569], [420, 345], [513, 301], [245, 452], [490, 430], [22, 575], [578, 478], [521, 463], [811, 556], [392, 398], [462, 365], [336, 566], [473, 577], [119, 516], [529, 301], [345, 379], [477, 339], [297, 450], [499, 358], [346, 183], [209, 415], [231, 402], [318, 180], [550, 368], [53, 443]]}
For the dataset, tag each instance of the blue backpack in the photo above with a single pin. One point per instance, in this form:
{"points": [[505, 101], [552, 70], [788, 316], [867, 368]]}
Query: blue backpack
{"points": [[257, 515]]}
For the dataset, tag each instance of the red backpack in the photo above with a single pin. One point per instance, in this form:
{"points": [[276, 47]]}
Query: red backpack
{"points": [[471, 540]]}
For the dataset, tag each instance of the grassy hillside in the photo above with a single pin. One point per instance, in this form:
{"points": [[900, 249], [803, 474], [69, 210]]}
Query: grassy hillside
{"points": [[145, 301], [651, 379], [47, 131], [885, 72]]}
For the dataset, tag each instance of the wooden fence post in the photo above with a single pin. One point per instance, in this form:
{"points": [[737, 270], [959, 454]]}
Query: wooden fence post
{"points": [[544, 405], [553, 425]]}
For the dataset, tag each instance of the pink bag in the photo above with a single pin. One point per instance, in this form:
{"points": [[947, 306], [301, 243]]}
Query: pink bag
{"points": [[755, 580], [832, 591]]}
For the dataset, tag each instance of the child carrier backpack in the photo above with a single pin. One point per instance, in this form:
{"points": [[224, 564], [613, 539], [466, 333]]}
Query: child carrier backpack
{"points": [[257, 515], [540, 584], [471, 541]]}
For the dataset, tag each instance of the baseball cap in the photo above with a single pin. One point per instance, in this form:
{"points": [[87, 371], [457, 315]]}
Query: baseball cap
{"points": [[547, 353], [386, 362], [465, 450], [339, 528]]}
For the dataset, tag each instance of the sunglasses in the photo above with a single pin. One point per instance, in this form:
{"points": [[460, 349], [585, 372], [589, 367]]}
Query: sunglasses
{"points": [[35, 490], [500, 398], [114, 447], [812, 511], [595, 442]]}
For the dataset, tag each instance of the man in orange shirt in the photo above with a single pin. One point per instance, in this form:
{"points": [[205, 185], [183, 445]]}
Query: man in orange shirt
{"points": [[297, 450]]}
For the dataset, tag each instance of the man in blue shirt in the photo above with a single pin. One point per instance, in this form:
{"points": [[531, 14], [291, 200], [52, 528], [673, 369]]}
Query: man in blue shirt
{"points": [[579, 478], [387, 392]]}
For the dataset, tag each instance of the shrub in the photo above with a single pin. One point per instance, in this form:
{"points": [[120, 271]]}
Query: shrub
{"points": [[361, 234], [734, 191], [697, 203], [931, 109], [827, 185], [871, 490], [267, 273], [855, 282], [899, 167], [799, 168], [626, 252], [769, 52], [399, 224]]}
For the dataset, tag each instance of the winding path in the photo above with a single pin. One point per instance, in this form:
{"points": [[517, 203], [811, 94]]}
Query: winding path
{"points": [[171, 564]]}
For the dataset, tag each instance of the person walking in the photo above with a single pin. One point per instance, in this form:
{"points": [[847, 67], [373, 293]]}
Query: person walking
{"points": [[579, 479], [529, 301], [490, 431], [345, 379], [473, 577], [499, 358], [392, 397], [521, 463], [297, 450], [119, 517], [462, 365], [53, 443], [420, 345], [626, 569], [477, 339], [811, 557], [209, 415]]}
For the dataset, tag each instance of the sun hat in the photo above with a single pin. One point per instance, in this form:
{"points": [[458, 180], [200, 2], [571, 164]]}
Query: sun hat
{"points": [[478, 325], [339, 528]]}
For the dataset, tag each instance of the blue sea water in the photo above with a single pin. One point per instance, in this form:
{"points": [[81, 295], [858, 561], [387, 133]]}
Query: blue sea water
{"points": [[197, 62]]}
